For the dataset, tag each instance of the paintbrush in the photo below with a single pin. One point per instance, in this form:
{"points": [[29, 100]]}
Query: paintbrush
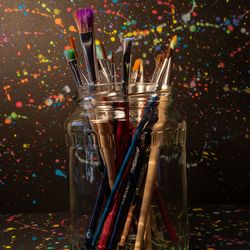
{"points": [[103, 191], [72, 61], [85, 23], [73, 45], [135, 70], [73, 64], [106, 62], [105, 138], [157, 143], [147, 235], [137, 76], [102, 62], [141, 76], [158, 62], [135, 203], [165, 61], [113, 71], [122, 128], [126, 64], [149, 184]]}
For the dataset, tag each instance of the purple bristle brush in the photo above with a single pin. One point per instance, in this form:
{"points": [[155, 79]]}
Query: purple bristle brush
{"points": [[85, 23]]}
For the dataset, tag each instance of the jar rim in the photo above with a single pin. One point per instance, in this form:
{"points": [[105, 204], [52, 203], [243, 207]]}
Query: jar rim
{"points": [[115, 90]]}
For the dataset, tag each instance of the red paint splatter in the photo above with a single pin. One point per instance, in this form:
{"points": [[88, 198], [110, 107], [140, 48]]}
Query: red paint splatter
{"points": [[19, 104]]}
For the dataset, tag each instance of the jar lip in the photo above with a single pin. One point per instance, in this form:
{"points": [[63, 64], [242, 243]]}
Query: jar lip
{"points": [[120, 83], [113, 90]]}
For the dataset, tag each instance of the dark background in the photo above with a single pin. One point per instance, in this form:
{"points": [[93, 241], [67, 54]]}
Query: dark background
{"points": [[212, 71]]}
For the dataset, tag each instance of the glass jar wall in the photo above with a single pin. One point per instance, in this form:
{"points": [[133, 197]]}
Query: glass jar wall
{"points": [[127, 170]]}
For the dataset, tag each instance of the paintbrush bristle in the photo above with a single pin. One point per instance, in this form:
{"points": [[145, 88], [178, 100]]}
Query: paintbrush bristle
{"points": [[84, 20], [70, 54], [141, 66], [159, 58], [73, 45], [171, 47], [127, 45], [136, 64], [173, 42], [99, 52]]}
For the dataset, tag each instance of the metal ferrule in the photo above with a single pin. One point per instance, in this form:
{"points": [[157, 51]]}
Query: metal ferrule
{"points": [[88, 46]]}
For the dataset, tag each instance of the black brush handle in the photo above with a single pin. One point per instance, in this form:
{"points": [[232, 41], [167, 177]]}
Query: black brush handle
{"points": [[76, 72], [103, 191], [87, 41]]}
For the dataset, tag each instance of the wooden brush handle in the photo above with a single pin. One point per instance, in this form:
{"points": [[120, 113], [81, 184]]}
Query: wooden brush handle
{"points": [[107, 149], [147, 195], [127, 226], [148, 237], [158, 131]]}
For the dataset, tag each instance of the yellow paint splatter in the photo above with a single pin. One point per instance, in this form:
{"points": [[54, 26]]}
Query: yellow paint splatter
{"points": [[10, 229], [57, 11], [247, 90], [159, 29], [42, 59], [112, 39], [26, 145], [197, 209]]}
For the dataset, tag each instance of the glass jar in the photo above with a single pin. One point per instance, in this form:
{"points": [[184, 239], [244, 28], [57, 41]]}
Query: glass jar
{"points": [[127, 170]]}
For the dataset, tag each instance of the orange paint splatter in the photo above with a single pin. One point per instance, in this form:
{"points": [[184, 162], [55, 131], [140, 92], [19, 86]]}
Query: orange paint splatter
{"points": [[72, 28], [7, 121], [58, 21]]}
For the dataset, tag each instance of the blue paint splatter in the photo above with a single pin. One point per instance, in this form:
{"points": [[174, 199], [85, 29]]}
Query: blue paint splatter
{"points": [[58, 172]]}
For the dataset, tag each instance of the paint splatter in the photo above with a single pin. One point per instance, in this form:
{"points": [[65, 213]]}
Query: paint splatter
{"points": [[211, 71]]}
